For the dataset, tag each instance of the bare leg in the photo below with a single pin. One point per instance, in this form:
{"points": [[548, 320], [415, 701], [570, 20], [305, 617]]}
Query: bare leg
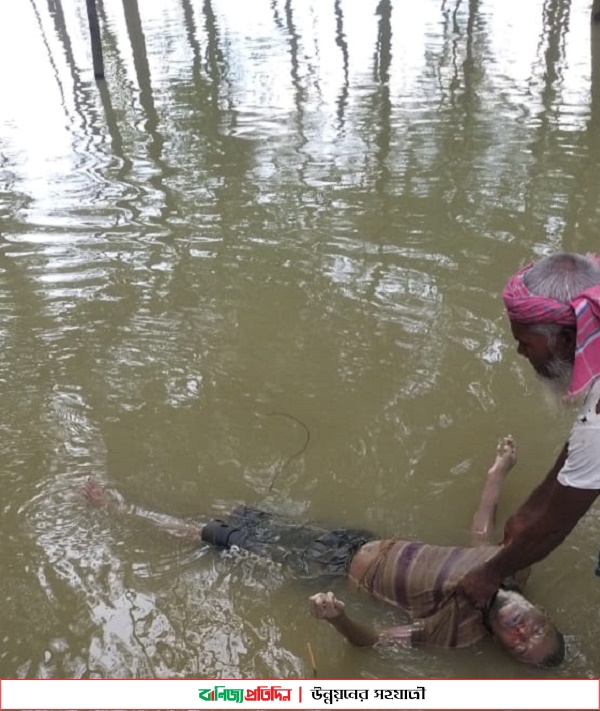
{"points": [[482, 527], [96, 494]]}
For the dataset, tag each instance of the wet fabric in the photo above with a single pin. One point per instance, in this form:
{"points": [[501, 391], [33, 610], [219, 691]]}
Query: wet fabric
{"points": [[422, 579], [310, 550], [583, 312]]}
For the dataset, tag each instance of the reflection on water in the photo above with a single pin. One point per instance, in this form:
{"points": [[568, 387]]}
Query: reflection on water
{"points": [[296, 208]]}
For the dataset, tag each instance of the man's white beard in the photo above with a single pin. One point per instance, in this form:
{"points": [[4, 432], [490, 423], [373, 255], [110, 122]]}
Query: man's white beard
{"points": [[556, 386]]}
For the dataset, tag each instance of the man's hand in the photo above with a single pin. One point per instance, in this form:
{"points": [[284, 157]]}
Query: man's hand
{"points": [[326, 606], [478, 586]]}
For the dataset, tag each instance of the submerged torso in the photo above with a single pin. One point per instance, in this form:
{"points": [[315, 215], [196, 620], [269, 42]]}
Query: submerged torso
{"points": [[421, 579]]}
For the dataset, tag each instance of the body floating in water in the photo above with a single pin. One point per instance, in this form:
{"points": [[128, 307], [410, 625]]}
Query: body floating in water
{"points": [[419, 578]]}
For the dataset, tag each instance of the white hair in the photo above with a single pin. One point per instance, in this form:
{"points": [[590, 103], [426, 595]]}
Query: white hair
{"points": [[560, 277]]}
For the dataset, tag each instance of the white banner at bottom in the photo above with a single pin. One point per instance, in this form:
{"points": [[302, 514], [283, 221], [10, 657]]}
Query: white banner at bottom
{"points": [[348, 694]]}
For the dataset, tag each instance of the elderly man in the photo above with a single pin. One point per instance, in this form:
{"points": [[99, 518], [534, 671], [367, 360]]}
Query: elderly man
{"points": [[417, 577], [554, 311]]}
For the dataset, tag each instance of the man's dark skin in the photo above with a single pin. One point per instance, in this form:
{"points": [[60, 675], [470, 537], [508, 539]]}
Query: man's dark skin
{"points": [[551, 511]]}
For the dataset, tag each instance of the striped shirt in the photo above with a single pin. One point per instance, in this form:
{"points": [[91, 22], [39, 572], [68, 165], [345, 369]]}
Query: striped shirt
{"points": [[421, 579]]}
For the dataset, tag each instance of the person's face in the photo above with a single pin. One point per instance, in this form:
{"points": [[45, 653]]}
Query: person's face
{"points": [[549, 362], [522, 628]]}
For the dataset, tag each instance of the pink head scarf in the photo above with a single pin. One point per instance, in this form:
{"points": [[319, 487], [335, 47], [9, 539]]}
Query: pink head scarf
{"points": [[583, 312]]}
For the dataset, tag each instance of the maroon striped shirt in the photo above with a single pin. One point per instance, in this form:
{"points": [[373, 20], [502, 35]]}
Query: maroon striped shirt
{"points": [[421, 579]]}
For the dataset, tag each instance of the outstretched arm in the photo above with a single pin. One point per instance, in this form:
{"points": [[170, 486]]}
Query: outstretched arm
{"points": [[530, 508], [325, 606], [484, 519], [540, 524], [538, 536], [97, 495]]}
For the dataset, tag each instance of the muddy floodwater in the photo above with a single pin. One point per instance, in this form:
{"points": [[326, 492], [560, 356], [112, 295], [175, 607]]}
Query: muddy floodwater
{"points": [[261, 262]]}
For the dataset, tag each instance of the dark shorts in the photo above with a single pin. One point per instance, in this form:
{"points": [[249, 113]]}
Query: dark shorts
{"points": [[309, 550]]}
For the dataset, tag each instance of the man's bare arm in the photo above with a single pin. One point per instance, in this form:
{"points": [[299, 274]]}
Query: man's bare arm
{"points": [[481, 583], [535, 501], [558, 512], [325, 606], [484, 518], [542, 528]]}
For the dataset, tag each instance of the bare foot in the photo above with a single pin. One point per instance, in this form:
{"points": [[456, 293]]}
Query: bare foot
{"points": [[95, 494], [506, 456]]}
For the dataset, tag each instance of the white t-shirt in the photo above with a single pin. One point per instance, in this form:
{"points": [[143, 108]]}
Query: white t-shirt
{"points": [[581, 469]]}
